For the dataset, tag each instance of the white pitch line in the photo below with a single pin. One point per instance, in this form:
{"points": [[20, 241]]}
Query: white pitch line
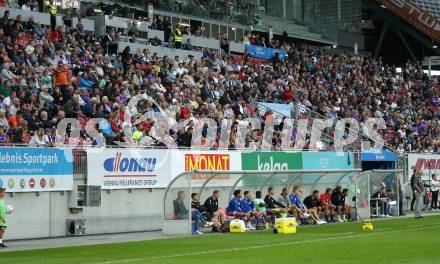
{"points": [[258, 247], [327, 234]]}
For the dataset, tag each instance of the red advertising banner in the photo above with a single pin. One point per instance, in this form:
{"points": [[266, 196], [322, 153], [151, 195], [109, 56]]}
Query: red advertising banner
{"points": [[415, 16]]}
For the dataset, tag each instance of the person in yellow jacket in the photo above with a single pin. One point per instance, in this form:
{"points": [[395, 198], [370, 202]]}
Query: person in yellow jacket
{"points": [[52, 9], [178, 37]]}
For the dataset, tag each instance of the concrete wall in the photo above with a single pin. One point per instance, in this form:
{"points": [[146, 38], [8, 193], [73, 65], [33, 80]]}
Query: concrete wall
{"points": [[45, 215], [44, 18], [161, 51]]}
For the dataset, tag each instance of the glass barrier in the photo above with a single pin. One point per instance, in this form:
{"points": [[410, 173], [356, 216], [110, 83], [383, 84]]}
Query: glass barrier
{"points": [[378, 193], [178, 199], [179, 219]]}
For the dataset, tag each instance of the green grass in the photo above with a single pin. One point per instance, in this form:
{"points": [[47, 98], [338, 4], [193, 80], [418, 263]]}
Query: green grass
{"points": [[392, 241]]}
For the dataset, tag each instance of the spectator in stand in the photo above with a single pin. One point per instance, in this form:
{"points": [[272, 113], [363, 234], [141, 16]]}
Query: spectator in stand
{"points": [[178, 37], [333, 85], [4, 20], [52, 8], [3, 3], [26, 6], [326, 205], [198, 32], [6, 74], [62, 77], [35, 6], [4, 138], [3, 120], [188, 45], [79, 26], [39, 139]]}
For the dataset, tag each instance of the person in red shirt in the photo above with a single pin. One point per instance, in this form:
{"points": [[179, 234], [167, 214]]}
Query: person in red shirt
{"points": [[3, 3], [22, 41], [115, 124], [326, 205], [288, 94]]}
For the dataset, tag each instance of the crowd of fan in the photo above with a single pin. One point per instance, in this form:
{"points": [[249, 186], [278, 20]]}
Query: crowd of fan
{"points": [[47, 76]]}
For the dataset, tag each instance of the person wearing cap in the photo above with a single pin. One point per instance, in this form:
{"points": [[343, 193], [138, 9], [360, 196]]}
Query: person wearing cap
{"points": [[3, 214], [434, 191]]}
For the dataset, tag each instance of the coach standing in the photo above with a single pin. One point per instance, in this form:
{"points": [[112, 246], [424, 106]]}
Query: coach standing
{"points": [[3, 213], [434, 190], [418, 191]]}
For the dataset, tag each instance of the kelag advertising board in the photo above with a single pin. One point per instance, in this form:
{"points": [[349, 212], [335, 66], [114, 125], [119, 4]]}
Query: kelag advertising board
{"points": [[270, 161]]}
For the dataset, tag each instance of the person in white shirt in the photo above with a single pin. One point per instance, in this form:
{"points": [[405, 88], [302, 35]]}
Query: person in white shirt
{"points": [[26, 6], [39, 139], [3, 120], [434, 191], [45, 97], [6, 74]]}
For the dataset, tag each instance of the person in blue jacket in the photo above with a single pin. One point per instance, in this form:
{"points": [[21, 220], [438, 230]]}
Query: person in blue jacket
{"points": [[247, 204], [300, 210], [235, 208]]}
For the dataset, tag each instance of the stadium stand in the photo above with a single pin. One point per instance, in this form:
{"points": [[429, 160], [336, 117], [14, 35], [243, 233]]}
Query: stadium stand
{"points": [[430, 6], [195, 84]]}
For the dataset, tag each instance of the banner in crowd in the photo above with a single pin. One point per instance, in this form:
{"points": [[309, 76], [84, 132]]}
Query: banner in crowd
{"points": [[284, 109], [264, 53], [36, 169], [426, 163], [270, 161], [128, 168]]}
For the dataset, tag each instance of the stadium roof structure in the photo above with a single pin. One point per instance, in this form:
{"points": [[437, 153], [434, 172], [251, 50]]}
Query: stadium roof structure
{"points": [[205, 182]]}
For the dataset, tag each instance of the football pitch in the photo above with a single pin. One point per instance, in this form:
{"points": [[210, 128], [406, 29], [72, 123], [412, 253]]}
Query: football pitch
{"points": [[392, 241]]}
